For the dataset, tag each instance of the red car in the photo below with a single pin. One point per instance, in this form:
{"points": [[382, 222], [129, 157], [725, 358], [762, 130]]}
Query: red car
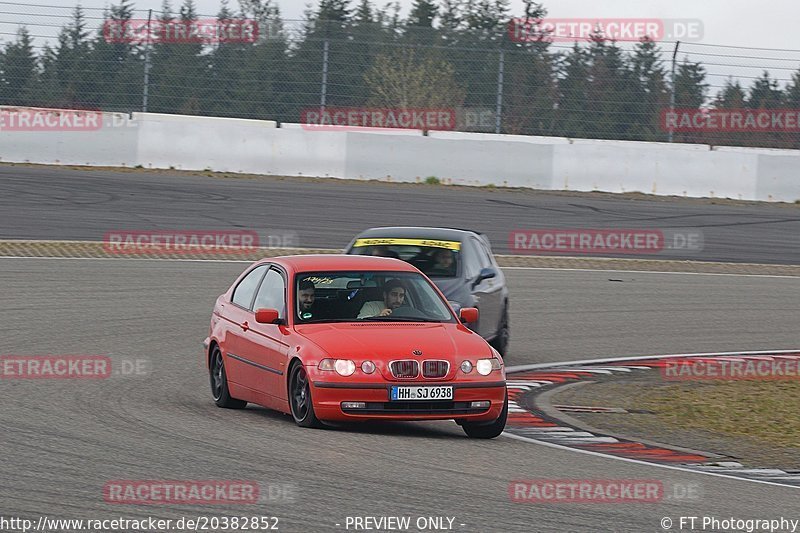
{"points": [[338, 338]]}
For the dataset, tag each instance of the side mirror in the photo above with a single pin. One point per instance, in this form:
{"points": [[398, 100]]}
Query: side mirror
{"points": [[485, 273], [267, 316], [468, 315]]}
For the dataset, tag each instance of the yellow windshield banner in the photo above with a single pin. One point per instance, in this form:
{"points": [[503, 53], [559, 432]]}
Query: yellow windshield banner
{"points": [[450, 245]]}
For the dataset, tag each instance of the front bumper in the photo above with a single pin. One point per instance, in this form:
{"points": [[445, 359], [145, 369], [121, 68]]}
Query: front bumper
{"points": [[329, 395]]}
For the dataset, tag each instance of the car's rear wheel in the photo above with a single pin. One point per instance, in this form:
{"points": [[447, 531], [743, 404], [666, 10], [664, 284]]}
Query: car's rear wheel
{"points": [[300, 399], [490, 430], [500, 343], [219, 383]]}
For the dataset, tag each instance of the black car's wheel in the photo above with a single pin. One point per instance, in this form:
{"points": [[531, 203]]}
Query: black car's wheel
{"points": [[300, 399], [500, 343], [219, 383], [490, 430]]}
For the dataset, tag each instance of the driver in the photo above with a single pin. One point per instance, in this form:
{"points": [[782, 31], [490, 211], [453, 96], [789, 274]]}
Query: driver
{"points": [[305, 299], [443, 265], [394, 296]]}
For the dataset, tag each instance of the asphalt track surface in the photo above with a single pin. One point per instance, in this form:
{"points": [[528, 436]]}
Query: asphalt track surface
{"points": [[63, 204], [62, 440]]}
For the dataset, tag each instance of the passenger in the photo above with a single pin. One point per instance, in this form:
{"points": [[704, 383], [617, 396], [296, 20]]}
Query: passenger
{"points": [[394, 296], [305, 299]]}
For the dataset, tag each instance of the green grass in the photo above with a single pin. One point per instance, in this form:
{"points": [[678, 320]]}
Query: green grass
{"points": [[764, 410]]}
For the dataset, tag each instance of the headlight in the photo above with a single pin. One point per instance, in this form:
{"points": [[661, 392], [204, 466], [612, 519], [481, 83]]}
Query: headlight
{"points": [[368, 367], [343, 367], [466, 367], [485, 366]]}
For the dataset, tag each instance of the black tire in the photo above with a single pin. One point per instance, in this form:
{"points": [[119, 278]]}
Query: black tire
{"points": [[500, 343], [490, 430], [219, 383], [300, 399]]}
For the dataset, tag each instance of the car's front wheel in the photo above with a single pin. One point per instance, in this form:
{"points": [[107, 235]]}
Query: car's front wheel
{"points": [[219, 383], [300, 398], [490, 430]]}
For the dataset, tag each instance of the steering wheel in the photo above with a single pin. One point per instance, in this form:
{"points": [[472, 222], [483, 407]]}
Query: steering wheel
{"points": [[408, 312]]}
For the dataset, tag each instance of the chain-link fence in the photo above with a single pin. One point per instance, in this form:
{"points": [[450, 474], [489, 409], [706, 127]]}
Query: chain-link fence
{"points": [[124, 59]]}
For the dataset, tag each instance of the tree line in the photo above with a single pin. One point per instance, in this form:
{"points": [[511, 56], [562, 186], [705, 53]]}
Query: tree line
{"points": [[350, 53]]}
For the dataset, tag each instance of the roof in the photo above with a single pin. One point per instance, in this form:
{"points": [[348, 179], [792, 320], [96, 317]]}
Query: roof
{"points": [[451, 234], [334, 262]]}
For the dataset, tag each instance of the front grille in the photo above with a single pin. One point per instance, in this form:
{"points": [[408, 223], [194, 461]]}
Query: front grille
{"points": [[435, 369], [405, 369]]}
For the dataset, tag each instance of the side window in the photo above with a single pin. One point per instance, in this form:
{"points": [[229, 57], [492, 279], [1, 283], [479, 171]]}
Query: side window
{"points": [[271, 294], [245, 290], [471, 265], [483, 255]]}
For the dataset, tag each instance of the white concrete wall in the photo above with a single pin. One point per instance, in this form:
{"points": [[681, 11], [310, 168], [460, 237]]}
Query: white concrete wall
{"points": [[250, 146], [112, 143], [683, 170]]}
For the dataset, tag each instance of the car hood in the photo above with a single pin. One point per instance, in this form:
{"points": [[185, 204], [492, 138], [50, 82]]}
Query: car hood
{"points": [[388, 341], [450, 287]]}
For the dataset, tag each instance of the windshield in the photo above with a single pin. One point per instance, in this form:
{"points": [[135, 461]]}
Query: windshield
{"points": [[436, 258], [368, 295]]}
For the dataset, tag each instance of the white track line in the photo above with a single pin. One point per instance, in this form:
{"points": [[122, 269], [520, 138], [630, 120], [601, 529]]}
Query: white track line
{"points": [[637, 461], [558, 364], [523, 368]]}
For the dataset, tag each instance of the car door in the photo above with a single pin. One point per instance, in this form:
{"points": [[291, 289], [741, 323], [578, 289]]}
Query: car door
{"points": [[488, 291], [266, 348], [238, 317]]}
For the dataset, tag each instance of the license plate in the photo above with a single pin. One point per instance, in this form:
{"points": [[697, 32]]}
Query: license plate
{"points": [[404, 394]]}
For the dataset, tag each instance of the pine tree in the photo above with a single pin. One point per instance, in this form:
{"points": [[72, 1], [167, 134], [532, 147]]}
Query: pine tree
{"points": [[792, 94], [610, 98], [765, 93], [649, 95], [690, 85], [732, 96], [116, 65], [452, 15], [19, 70], [70, 72], [365, 13], [489, 15], [334, 10], [192, 81], [574, 94], [423, 13], [791, 98]]}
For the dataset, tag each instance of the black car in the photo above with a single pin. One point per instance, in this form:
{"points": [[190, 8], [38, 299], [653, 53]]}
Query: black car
{"points": [[460, 263]]}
